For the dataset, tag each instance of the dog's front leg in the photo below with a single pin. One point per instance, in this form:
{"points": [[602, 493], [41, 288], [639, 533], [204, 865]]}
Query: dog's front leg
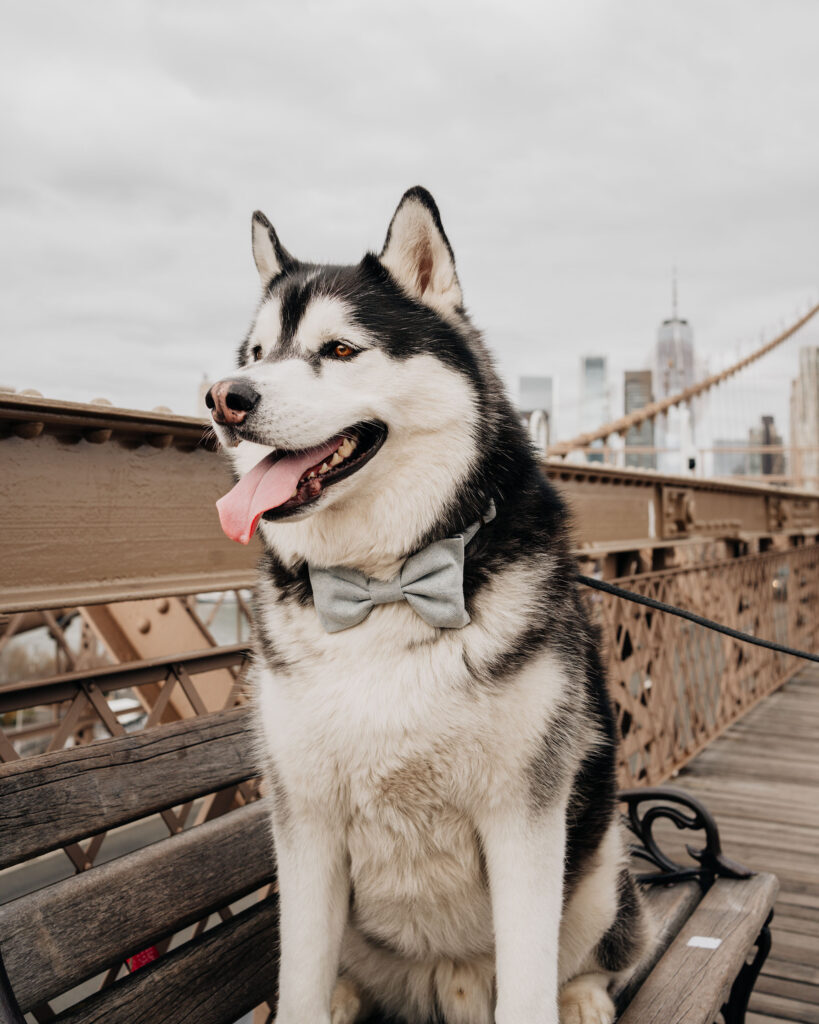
{"points": [[313, 905], [525, 851]]}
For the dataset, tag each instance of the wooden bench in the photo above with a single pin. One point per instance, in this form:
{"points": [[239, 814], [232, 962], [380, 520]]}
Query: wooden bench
{"points": [[59, 936]]}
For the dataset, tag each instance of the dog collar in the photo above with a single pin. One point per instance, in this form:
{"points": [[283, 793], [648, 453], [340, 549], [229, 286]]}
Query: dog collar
{"points": [[430, 581]]}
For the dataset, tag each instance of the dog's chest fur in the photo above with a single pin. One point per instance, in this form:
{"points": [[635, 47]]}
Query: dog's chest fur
{"points": [[384, 729], [418, 881]]}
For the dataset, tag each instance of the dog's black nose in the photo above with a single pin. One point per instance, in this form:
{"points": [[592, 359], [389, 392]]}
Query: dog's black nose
{"points": [[230, 401]]}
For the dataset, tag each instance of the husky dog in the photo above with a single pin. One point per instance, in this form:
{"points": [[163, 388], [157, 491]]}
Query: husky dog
{"points": [[432, 712]]}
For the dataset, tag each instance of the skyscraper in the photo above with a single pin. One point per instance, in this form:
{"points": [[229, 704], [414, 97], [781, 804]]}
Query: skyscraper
{"points": [[637, 393], [765, 463], [673, 371], [673, 357], [674, 352], [805, 418], [595, 408]]}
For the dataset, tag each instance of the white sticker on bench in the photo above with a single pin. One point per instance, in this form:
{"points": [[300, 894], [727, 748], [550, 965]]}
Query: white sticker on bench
{"points": [[704, 942]]}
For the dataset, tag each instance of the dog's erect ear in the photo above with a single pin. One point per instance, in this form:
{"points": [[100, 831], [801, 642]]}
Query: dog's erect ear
{"points": [[270, 255], [418, 255]]}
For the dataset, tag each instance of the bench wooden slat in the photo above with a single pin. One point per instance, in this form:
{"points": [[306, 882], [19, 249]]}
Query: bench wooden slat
{"points": [[690, 983], [55, 938], [214, 979], [669, 906], [58, 798]]}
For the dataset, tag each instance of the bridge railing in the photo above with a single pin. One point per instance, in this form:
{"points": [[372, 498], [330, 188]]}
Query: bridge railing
{"points": [[677, 685], [95, 502]]}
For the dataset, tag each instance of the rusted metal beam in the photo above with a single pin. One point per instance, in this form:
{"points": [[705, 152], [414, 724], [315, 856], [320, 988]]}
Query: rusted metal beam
{"points": [[84, 522], [40, 692], [99, 422], [627, 508], [137, 630]]}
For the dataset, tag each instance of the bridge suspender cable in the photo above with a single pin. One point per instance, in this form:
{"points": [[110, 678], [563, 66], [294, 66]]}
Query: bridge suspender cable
{"points": [[653, 409]]}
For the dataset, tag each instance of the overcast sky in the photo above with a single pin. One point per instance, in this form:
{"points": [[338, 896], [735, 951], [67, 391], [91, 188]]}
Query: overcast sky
{"points": [[577, 150]]}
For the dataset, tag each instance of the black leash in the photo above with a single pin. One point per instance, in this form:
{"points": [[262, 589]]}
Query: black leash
{"points": [[661, 606]]}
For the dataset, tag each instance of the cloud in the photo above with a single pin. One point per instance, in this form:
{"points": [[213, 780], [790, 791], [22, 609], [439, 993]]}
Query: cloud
{"points": [[576, 151]]}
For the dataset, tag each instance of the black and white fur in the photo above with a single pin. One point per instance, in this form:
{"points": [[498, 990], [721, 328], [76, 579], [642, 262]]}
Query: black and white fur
{"points": [[442, 799]]}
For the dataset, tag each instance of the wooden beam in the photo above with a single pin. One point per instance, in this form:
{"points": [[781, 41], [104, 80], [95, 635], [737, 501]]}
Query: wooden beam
{"points": [[183, 984], [67, 795]]}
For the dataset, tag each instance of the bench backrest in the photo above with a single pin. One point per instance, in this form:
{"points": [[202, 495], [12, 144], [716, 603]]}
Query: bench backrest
{"points": [[59, 936]]}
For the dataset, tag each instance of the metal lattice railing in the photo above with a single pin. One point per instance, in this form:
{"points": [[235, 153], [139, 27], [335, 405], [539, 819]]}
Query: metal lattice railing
{"points": [[676, 685]]}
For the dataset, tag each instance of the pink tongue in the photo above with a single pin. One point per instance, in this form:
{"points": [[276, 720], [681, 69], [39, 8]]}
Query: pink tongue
{"points": [[269, 484]]}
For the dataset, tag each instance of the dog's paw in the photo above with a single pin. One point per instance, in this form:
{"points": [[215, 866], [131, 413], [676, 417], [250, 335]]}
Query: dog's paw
{"points": [[347, 1005], [585, 1000]]}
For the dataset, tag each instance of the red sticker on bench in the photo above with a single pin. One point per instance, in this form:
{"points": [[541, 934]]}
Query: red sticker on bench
{"points": [[147, 956]]}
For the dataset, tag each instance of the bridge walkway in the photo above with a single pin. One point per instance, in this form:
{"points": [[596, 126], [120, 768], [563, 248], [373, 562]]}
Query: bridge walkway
{"points": [[760, 779]]}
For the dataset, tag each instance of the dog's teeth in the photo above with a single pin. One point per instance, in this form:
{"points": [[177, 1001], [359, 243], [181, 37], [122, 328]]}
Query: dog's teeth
{"points": [[346, 447], [324, 468], [336, 459], [311, 474]]}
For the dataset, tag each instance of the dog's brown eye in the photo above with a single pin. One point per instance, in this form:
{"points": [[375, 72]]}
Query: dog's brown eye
{"points": [[256, 353], [342, 351]]}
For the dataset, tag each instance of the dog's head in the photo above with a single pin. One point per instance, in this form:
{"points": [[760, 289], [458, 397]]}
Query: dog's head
{"points": [[353, 416]]}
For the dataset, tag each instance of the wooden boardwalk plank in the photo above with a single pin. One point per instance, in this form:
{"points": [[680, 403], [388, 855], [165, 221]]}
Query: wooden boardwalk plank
{"points": [[759, 1018], [785, 969], [789, 1009], [761, 782], [787, 988]]}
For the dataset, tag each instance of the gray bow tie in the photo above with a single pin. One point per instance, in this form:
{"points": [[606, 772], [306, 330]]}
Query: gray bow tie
{"points": [[431, 582]]}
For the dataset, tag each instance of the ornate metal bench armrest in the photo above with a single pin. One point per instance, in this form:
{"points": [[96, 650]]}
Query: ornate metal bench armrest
{"points": [[648, 806]]}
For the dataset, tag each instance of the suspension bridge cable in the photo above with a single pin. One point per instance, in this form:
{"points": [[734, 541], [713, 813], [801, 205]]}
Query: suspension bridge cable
{"points": [[653, 409]]}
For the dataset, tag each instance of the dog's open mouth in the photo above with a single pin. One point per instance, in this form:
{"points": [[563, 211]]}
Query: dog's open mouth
{"points": [[284, 482]]}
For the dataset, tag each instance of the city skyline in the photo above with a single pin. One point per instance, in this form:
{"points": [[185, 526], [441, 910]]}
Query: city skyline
{"points": [[687, 439]]}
